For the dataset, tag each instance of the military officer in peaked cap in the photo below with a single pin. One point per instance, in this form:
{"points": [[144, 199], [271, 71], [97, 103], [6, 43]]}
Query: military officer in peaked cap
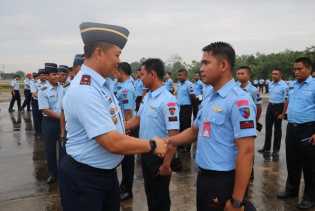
{"points": [[49, 104], [95, 127]]}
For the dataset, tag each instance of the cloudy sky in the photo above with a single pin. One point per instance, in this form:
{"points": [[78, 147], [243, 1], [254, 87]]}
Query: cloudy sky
{"points": [[38, 31]]}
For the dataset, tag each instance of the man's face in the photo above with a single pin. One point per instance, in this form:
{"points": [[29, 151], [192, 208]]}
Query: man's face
{"points": [[53, 78], [146, 77], [275, 75], [42, 77], [300, 71], [210, 70], [119, 75], [181, 76], [109, 60], [166, 76], [138, 74], [196, 77], [62, 77], [242, 75]]}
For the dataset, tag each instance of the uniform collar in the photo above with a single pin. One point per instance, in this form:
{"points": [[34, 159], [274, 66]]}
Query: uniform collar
{"points": [[97, 78], [308, 80], [156, 92], [50, 86], [225, 90]]}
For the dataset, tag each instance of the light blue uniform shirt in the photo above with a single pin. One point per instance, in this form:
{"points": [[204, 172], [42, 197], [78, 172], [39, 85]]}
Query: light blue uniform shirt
{"points": [[301, 107], [198, 88], [278, 92], [138, 87], [15, 84], [169, 85], [253, 91], [91, 110], [126, 96], [50, 97], [158, 113], [184, 90], [225, 115], [27, 84]]}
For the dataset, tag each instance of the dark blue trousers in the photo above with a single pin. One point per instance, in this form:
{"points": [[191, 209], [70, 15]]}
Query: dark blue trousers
{"points": [[83, 187], [50, 134], [37, 116]]}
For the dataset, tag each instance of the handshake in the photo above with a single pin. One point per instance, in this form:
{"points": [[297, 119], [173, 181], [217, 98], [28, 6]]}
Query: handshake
{"points": [[163, 146]]}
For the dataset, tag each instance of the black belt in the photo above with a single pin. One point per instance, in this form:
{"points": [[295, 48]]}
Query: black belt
{"points": [[88, 168], [216, 173], [51, 119], [302, 124], [276, 104]]}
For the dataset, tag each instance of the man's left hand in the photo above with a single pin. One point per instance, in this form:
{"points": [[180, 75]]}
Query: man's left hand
{"points": [[165, 170], [313, 139], [229, 207]]}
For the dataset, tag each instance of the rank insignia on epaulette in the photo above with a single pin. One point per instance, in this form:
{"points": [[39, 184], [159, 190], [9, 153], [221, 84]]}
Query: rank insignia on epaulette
{"points": [[43, 88], [66, 84], [85, 80], [114, 118]]}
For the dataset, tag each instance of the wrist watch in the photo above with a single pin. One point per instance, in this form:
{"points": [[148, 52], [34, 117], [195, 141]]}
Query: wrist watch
{"points": [[152, 146], [236, 203]]}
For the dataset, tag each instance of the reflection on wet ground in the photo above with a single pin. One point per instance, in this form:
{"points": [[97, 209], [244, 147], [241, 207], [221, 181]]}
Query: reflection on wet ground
{"points": [[23, 173]]}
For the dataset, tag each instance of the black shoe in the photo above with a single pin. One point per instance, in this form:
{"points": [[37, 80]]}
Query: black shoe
{"points": [[275, 156], [51, 180], [267, 156], [11, 110], [306, 204], [287, 195], [125, 196], [261, 151]]}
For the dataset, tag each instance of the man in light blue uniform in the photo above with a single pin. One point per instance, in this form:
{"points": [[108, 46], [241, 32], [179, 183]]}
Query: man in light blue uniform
{"points": [[27, 92], [139, 89], [198, 93], [158, 116], [243, 75], [277, 106], [95, 126], [125, 93], [38, 83], [168, 82], [49, 101], [185, 95], [300, 137], [225, 129], [15, 92]]}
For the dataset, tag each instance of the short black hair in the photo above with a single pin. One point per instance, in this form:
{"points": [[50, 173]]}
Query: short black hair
{"points": [[247, 68], [182, 70], [277, 69], [90, 48], [306, 61], [223, 50], [125, 67], [156, 65], [169, 73]]}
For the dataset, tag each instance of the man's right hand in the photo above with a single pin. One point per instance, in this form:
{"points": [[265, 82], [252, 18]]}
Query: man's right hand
{"points": [[161, 147]]}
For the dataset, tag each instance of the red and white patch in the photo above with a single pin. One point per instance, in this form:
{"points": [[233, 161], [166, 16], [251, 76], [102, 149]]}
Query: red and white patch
{"points": [[171, 104], [85, 80], [242, 102]]}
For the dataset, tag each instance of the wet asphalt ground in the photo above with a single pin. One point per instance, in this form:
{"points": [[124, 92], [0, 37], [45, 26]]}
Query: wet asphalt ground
{"points": [[23, 173]]}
